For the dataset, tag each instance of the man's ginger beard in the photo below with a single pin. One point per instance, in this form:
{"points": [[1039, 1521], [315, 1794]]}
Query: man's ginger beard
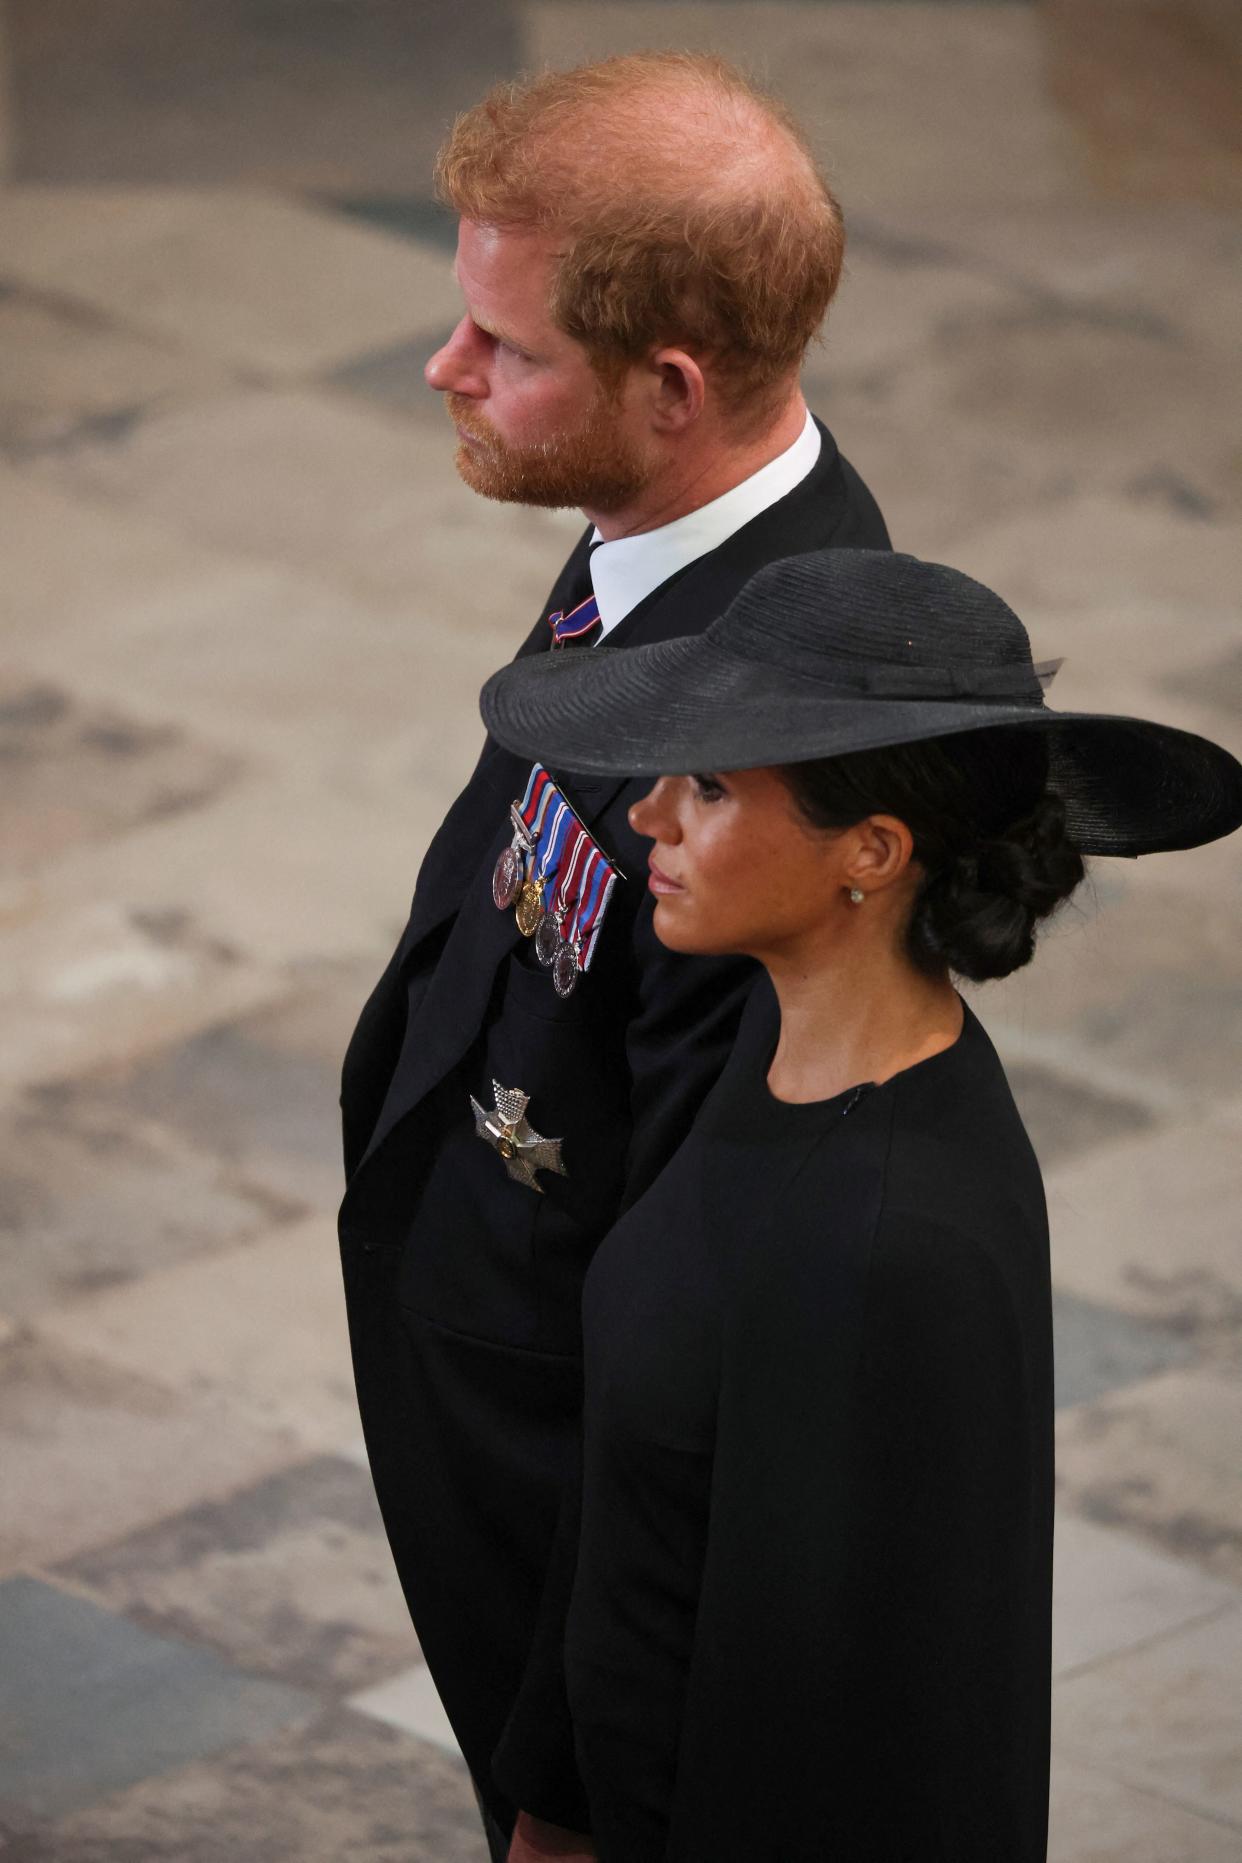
{"points": [[590, 467]]}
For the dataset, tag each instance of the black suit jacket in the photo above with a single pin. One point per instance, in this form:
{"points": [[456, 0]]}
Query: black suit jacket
{"points": [[474, 1442]]}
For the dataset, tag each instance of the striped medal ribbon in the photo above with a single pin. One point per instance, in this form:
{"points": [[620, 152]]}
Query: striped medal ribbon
{"points": [[530, 911], [577, 949], [550, 936], [557, 877], [526, 816]]}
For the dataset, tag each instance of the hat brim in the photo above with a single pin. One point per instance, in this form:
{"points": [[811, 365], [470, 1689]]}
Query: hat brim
{"points": [[686, 705]]}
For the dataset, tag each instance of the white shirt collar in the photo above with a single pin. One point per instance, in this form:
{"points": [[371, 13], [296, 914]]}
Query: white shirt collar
{"points": [[625, 571]]}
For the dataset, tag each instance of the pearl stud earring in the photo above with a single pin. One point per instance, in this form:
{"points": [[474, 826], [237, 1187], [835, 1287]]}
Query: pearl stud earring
{"points": [[856, 895]]}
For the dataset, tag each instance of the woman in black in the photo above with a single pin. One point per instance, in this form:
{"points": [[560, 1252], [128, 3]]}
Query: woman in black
{"points": [[812, 1606]]}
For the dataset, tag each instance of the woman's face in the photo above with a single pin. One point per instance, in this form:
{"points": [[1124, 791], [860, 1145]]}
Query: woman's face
{"points": [[735, 867]]}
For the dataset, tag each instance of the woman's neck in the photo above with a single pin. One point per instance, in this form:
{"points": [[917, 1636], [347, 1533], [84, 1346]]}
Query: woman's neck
{"points": [[854, 1017]]}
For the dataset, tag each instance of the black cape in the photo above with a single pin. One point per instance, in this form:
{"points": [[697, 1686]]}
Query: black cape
{"points": [[811, 1618]]}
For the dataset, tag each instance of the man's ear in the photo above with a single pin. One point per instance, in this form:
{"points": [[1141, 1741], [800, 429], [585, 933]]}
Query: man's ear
{"points": [[678, 390]]}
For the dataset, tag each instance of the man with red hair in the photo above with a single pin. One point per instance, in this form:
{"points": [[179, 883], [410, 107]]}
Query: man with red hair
{"points": [[645, 250]]}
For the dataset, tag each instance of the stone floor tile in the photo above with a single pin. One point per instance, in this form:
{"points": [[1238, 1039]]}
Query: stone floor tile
{"points": [[1149, 1225], [289, 1578], [901, 306], [1097, 1819], [414, 216], [393, 379], [1217, 682], [61, 365], [122, 564], [96, 978], [266, 1111], [343, 1787], [1110, 552], [98, 1704], [1109, 394], [410, 1701], [74, 772], [336, 488], [1164, 1717], [1133, 982], [263, 1323], [1064, 1116], [1162, 1460], [900, 117], [1111, 1592], [246, 278], [1098, 1349], [1094, 247], [1151, 94], [94, 1195], [284, 876], [317, 1017], [297, 93], [91, 1452]]}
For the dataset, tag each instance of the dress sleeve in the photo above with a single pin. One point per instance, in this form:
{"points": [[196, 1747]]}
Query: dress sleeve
{"points": [[869, 1674]]}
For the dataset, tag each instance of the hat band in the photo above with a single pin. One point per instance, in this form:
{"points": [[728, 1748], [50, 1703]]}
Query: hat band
{"points": [[1014, 685]]}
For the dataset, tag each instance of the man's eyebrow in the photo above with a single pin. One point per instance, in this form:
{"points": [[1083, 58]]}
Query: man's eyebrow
{"points": [[493, 330], [487, 326]]}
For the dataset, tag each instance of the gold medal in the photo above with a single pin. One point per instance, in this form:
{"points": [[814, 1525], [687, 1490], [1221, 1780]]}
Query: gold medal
{"points": [[529, 908]]}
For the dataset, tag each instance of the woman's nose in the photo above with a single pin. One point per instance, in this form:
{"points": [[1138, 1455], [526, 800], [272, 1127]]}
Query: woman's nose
{"points": [[453, 369], [649, 815]]}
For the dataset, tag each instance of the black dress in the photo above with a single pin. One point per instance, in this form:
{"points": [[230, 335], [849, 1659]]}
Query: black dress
{"points": [[811, 1617]]}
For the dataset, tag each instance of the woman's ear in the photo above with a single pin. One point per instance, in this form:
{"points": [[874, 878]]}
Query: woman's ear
{"points": [[882, 849]]}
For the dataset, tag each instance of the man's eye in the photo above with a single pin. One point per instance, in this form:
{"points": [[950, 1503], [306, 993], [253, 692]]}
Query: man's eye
{"points": [[707, 788]]}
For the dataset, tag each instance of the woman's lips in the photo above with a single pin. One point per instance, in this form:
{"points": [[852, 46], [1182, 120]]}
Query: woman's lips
{"points": [[660, 882]]}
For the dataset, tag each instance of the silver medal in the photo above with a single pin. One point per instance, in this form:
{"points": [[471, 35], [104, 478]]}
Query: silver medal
{"points": [[565, 971], [547, 940], [507, 878]]}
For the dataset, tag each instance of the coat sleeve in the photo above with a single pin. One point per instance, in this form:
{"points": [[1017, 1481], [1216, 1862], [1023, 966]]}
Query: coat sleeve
{"points": [[869, 1676]]}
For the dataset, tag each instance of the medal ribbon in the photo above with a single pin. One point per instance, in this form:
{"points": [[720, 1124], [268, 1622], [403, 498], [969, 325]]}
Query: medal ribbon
{"points": [[570, 864], [572, 626], [540, 790], [563, 825], [597, 885]]}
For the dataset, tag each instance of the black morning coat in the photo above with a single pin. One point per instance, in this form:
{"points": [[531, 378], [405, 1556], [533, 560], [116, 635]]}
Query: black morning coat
{"points": [[464, 1288]]}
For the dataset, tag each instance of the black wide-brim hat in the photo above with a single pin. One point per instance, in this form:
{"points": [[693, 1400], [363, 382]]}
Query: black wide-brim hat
{"points": [[846, 650]]}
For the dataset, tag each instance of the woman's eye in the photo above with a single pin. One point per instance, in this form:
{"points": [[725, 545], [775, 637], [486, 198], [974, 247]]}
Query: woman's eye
{"points": [[707, 788]]}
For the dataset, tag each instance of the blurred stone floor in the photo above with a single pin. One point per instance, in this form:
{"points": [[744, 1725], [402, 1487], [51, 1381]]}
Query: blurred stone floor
{"points": [[246, 608]]}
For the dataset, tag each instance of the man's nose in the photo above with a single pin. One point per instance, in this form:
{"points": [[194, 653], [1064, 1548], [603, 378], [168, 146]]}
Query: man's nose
{"points": [[454, 368]]}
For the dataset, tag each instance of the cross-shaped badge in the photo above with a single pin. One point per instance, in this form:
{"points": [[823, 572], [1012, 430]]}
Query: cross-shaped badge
{"points": [[508, 1131]]}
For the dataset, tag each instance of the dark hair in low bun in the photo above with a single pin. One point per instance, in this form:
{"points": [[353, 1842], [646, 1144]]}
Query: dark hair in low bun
{"points": [[988, 835]]}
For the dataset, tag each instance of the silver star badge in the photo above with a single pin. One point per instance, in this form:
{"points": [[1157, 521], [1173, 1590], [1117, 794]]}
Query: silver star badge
{"points": [[509, 1131]]}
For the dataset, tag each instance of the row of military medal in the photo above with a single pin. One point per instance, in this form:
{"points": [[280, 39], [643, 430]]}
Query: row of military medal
{"points": [[558, 880]]}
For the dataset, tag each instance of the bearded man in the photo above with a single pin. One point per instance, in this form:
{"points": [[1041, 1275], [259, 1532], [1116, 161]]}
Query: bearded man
{"points": [[645, 250]]}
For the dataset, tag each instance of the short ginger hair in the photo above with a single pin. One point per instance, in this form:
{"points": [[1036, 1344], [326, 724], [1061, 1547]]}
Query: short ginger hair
{"points": [[690, 206]]}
